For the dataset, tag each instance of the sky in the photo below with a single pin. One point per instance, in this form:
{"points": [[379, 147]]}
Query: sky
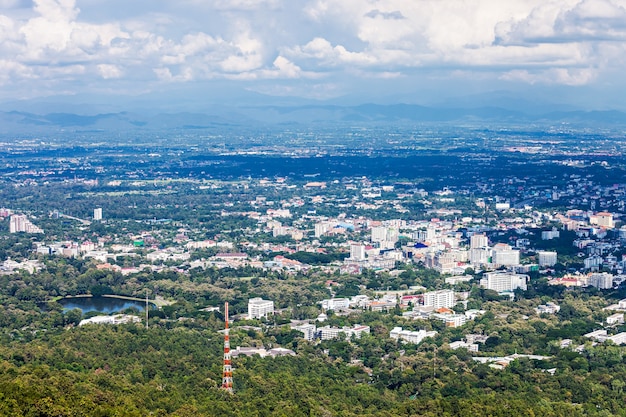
{"points": [[370, 50]]}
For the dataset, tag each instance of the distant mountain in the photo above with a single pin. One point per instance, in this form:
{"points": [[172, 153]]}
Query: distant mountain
{"points": [[258, 116]]}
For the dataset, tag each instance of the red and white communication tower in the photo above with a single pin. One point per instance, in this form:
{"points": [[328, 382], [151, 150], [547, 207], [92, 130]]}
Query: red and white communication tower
{"points": [[227, 372]]}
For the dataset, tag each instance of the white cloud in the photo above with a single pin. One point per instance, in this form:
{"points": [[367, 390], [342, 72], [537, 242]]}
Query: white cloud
{"points": [[571, 42], [567, 21], [247, 55], [571, 77], [9, 4], [244, 4], [108, 71]]}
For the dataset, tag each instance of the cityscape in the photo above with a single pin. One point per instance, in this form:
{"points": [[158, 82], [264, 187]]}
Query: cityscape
{"points": [[437, 263], [274, 208]]}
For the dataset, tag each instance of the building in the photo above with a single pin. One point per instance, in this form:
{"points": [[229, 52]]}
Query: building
{"points": [[458, 279], [550, 234], [261, 351], [439, 299], [357, 252], [338, 304], [593, 262], [479, 256], [546, 258], [599, 335], [504, 281], [322, 228], [451, 320], [478, 241], [471, 347], [602, 281], [548, 308], [327, 332], [258, 307], [19, 223], [617, 318], [618, 339], [309, 331], [97, 214], [386, 237], [444, 262], [382, 305], [116, 319], [409, 336], [504, 255], [602, 219]]}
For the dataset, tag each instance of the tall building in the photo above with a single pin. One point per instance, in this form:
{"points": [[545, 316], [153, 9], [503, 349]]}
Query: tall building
{"points": [[97, 213], [478, 241], [547, 258], [504, 281], [17, 223], [439, 299], [602, 281], [385, 236], [379, 233], [478, 256], [444, 262], [322, 228], [20, 223], [258, 307], [357, 252], [504, 255]]}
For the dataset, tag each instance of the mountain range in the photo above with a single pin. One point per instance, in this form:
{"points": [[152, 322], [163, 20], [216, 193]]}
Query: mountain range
{"points": [[259, 116]]}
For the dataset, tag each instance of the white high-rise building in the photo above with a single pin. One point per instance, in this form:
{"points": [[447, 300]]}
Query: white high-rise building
{"points": [[17, 223], [322, 228], [439, 299], [602, 281], [478, 256], [97, 213], [357, 252], [478, 241], [504, 281], [20, 223], [547, 258], [386, 236], [444, 262], [379, 234], [258, 307], [505, 256]]}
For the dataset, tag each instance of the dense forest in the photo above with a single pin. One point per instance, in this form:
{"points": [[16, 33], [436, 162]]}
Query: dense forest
{"points": [[129, 371]]}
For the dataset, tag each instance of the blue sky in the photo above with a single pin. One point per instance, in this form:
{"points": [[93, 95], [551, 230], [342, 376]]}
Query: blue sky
{"points": [[389, 50]]}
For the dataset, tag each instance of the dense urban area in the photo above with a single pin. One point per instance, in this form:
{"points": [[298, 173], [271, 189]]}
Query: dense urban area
{"points": [[370, 271]]}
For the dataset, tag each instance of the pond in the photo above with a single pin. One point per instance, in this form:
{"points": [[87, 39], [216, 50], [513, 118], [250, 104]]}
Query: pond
{"points": [[105, 305]]}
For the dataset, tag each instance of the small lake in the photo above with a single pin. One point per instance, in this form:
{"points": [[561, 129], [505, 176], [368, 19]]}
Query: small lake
{"points": [[105, 305]]}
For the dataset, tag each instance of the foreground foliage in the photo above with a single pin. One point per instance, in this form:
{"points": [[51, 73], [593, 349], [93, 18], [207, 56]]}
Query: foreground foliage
{"points": [[130, 371]]}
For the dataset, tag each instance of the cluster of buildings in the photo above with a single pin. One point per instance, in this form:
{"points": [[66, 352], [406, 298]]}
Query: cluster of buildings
{"points": [[312, 332], [19, 223], [599, 280]]}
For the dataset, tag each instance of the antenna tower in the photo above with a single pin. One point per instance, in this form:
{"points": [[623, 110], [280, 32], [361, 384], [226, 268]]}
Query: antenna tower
{"points": [[227, 372], [146, 309]]}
